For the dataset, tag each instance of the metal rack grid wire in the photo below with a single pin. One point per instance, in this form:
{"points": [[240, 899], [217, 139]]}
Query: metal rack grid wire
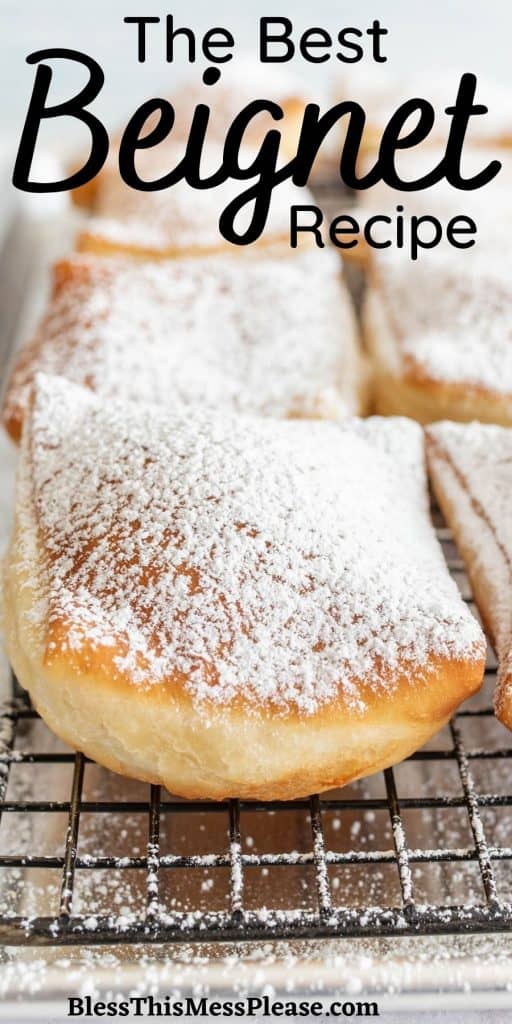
{"points": [[156, 923]]}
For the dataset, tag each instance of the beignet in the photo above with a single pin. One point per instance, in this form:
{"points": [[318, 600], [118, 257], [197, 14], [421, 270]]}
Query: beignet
{"points": [[471, 469], [439, 333], [273, 337], [228, 605]]}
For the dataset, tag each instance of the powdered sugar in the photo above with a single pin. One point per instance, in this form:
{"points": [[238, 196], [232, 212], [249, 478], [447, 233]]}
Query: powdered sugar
{"points": [[482, 453], [184, 332], [278, 561], [242, 82], [474, 465], [450, 312], [179, 216], [380, 93], [489, 205]]}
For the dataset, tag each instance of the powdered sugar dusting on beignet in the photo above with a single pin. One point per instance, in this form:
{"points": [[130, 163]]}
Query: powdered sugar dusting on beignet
{"points": [[274, 562], [179, 216], [473, 465], [450, 311], [199, 332]]}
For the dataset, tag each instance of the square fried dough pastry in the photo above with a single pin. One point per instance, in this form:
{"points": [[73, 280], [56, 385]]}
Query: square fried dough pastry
{"points": [[242, 81], [489, 206], [439, 332], [228, 605], [380, 93], [471, 469], [178, 220], [271, 336]]}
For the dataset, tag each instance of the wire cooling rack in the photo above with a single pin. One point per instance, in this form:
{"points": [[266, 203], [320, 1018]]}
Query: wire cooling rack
{"points": [[322, 908]]}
